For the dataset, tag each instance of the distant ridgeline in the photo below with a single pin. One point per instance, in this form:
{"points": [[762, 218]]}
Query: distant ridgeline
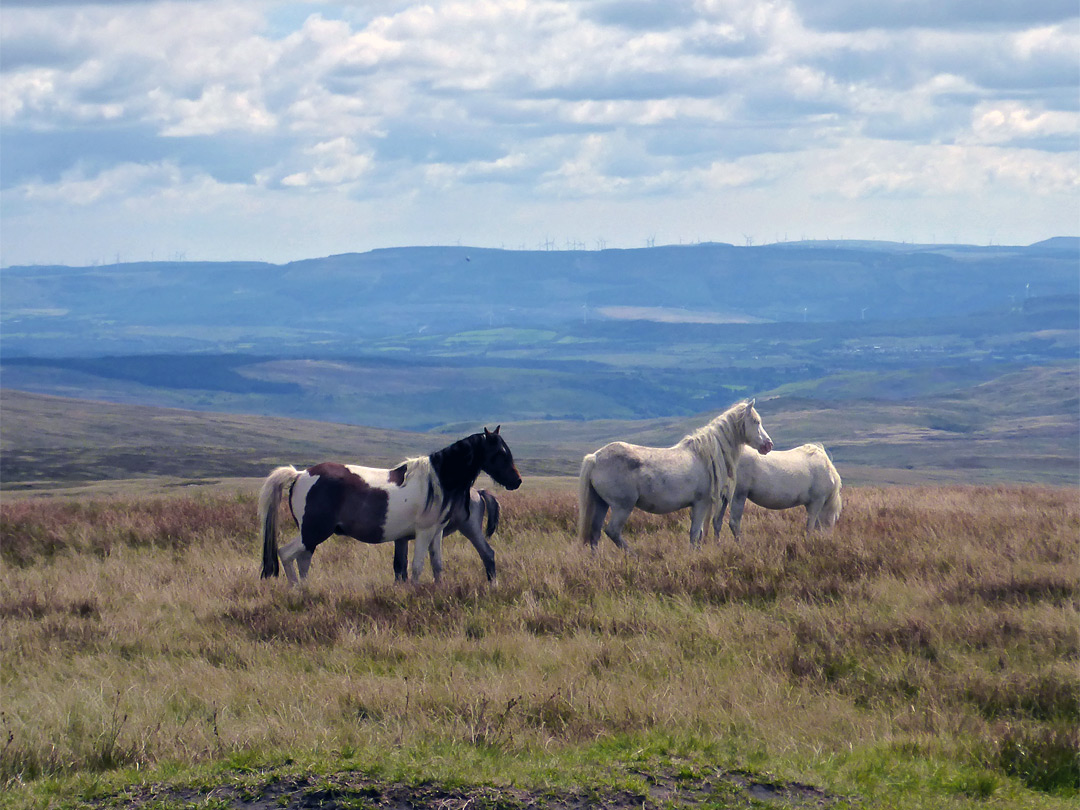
{"points": [[432, 338], [342, 303]]}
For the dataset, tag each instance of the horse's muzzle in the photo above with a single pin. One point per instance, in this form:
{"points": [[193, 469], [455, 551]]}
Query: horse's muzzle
{"points": [[766, 447], [509, 478]]}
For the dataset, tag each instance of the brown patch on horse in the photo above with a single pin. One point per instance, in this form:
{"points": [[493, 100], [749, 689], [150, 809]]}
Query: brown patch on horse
{"points": [[341, 502], [397, 475]]}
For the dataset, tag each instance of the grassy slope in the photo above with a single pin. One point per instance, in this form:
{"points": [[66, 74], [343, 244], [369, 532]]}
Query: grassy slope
{"points": [[921, 656]]}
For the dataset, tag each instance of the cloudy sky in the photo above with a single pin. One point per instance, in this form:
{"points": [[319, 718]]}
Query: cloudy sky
{"points": [[255, 129]]}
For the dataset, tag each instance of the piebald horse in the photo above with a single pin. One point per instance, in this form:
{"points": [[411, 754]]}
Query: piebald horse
{"points": [[802, 476], [418, 499], [698, 472]]}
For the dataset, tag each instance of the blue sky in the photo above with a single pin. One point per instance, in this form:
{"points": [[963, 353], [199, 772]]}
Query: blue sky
{"points": [[218, 130]]}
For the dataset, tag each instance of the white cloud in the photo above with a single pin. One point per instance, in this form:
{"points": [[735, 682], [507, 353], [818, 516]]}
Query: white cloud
{"points": [[336, 163], [75, 188], [217, 110], [864, 170], [537, 102], [1013, 121]]}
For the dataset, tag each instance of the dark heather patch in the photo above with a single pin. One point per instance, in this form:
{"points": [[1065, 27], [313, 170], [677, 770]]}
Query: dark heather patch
{"points": [[341, 502], [397, 476]]}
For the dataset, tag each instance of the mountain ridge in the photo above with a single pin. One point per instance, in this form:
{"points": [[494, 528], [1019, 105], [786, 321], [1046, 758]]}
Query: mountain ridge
{"points": [[343, 302]]}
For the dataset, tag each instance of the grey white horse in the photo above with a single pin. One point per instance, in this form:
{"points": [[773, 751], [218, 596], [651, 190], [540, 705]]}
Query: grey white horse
{"points": [[697, 472], [802, 476]]}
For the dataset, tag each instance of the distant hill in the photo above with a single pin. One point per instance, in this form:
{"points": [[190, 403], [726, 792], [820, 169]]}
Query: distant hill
{"points": [[1021, 427], [423, 338], [341, 303], [1068, 243]]}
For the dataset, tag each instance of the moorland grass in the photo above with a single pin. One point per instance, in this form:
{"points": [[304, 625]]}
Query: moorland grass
{"points": [[923, 654]]}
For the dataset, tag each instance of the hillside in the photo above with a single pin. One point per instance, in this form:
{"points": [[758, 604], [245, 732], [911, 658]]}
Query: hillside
{"points": [[341, 303], [887, 352], [598, 370], [1022, 427]]}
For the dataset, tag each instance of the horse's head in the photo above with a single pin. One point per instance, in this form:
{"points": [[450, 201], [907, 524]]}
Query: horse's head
{"points": [[497, 460], [753, 431]]}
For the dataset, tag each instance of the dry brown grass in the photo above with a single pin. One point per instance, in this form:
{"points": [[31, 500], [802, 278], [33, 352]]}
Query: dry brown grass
{"points": [[936, 624]]}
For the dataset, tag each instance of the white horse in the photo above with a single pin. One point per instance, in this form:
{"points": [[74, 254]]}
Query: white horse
{"points": [[802, 476], [697, 472]]}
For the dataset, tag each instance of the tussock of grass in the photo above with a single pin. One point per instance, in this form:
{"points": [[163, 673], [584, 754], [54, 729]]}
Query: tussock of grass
{"points": [[928, 645]]}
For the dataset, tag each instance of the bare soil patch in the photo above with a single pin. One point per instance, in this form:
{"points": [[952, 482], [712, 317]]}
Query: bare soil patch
{"points": [[352, 791]]}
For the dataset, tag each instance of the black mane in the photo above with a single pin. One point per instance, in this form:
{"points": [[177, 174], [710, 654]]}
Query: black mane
{"points": [[457, 468]]}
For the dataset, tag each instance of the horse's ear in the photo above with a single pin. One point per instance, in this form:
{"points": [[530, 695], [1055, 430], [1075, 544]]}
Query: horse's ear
{"points": [[497, 429], [750, 404]]}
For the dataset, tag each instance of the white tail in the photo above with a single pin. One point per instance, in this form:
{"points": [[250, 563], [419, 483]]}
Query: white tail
{"points": [[587, 499], [830, 512], [269, 501]]}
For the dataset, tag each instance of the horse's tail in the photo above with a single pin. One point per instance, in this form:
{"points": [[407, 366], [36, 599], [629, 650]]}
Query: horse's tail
{"points": [[491, 506], [830, 512], [587, 499], [269, 501]]}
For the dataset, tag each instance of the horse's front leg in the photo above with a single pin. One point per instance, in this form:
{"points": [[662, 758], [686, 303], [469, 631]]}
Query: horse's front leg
{"points": [[435, 551], [698, 512], [718, 518], [424, 539], [401, 560]]}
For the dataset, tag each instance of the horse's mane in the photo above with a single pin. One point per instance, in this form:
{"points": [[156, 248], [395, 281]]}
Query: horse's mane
{"points": [[455, 469], [718, 445], [421, 467]]}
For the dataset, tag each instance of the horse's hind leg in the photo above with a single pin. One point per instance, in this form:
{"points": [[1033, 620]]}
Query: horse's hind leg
{"points": [[813, 515], [290, 552], [619, 516], [303, 562], [401, 560], [600, 512], [483, 548]]}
